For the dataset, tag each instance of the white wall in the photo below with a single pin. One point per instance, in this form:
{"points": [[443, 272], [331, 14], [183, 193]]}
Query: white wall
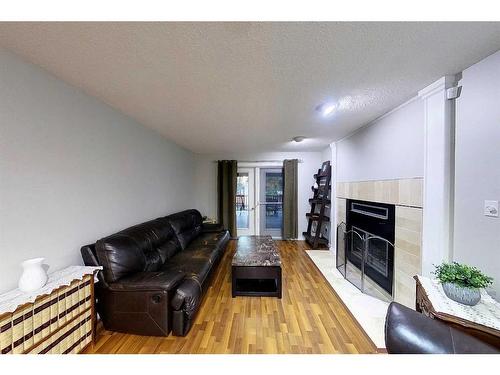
{"points": [[206, 179], [73, 170], [326, 154], [477, 171], [389, 148]]}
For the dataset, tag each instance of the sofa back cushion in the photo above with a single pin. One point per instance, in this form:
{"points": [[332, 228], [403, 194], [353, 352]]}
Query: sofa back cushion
{"points": [[143, 247], [187, 225]]}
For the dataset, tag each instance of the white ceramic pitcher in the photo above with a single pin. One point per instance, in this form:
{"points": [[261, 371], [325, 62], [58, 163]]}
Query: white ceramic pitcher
{"points": [[34, 275]]}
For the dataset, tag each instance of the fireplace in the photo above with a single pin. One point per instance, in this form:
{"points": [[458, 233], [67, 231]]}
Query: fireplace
{"points": [[368, 245]]}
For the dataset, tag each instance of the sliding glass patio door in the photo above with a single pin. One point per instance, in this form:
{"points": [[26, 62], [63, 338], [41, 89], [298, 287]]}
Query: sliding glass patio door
{"points": [[259, 201], [271, 202], [245, 202]]}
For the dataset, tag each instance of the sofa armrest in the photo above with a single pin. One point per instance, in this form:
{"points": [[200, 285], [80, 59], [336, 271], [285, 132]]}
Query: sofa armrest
{"points": [[210, 228], [187, 296], [148, 281], [90, 259], [409, 332], [139, 304]]}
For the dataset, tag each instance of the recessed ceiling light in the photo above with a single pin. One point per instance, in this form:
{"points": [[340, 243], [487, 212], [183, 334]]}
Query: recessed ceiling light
{"points": [[326, 109], [298, 138]]}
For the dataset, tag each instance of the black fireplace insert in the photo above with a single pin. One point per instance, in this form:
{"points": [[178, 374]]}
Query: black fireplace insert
{"points": [[372, 225]]}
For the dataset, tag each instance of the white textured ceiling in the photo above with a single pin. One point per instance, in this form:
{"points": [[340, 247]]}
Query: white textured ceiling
{"points": [[226, 87]]}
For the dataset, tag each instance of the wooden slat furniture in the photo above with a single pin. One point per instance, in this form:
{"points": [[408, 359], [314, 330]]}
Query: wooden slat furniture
{"points": [[424, 305], [318, 214], [60, 320]]}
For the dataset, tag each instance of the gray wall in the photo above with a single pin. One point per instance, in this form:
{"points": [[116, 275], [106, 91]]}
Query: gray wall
{"points": [[477, 174], [389, 148], [73, 170], [206, 179]]}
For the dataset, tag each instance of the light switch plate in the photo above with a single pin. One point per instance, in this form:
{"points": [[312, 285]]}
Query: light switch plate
{"points": [[491, 208]]}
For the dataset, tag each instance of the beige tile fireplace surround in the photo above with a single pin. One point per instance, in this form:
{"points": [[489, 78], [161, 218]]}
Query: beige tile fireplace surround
{"points": [[406, 195]]}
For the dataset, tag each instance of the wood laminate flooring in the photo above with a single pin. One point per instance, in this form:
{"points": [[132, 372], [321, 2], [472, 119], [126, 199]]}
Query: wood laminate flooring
{"points": [[310, 318]]}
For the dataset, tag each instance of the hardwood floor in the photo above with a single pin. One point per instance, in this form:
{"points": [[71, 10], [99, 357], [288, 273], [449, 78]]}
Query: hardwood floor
{"points": [[310, 318]]}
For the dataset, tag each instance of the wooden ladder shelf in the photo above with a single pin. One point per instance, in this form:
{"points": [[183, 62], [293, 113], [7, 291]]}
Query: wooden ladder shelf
{"points": [[320, 200]]}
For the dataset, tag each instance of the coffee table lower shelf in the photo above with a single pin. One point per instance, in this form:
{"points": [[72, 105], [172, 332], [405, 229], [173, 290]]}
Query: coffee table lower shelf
{"points": [[256, 281]]}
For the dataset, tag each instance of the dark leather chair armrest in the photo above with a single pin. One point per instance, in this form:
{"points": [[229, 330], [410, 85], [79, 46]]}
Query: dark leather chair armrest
{"points": [[148, 281], [209, 228], [409, 332]]}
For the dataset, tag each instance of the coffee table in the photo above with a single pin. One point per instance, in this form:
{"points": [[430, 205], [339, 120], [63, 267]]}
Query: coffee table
{"points": [[256, 267]]}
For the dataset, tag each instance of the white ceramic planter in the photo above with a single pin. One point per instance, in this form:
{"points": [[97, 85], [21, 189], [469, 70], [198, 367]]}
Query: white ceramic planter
{"points": [[34, 275]]}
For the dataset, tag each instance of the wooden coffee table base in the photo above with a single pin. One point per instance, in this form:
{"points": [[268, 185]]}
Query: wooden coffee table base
{"points": [[261, 281]]}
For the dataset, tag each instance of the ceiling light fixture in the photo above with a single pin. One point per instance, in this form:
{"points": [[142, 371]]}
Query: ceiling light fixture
{"points": [[298, 138], [326, 109]]}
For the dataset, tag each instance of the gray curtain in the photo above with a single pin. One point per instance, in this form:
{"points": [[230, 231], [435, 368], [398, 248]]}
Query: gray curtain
{"points": [[290, 195], [227, 171]]}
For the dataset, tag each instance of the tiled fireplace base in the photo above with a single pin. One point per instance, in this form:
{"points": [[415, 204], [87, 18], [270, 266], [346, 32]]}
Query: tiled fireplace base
{"points": [[406, 195]]}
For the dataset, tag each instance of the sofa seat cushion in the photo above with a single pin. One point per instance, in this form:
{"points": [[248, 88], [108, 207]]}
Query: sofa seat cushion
{"points": [[210, 239], [216, 242], [212, 253], [196, 268], [199, 253]]}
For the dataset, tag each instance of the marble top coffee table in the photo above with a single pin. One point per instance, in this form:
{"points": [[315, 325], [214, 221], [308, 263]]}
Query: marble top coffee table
{"points": [[256, 267]]}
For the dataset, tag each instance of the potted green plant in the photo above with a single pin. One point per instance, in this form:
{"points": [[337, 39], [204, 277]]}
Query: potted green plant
{"points": [[462, 283]]}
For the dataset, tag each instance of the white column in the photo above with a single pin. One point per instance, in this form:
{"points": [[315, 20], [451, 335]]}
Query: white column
{"points": [[333, 198], [437, 232]]}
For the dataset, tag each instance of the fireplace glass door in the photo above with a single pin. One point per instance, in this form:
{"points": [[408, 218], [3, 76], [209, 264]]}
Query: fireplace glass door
{"points": [[364, 260], [365, 253]]}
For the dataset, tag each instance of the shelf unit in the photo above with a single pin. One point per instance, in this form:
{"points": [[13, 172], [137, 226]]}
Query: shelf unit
{"points": [[317, 217]]}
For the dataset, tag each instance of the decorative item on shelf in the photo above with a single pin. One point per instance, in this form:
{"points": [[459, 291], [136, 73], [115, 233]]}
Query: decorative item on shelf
{"points": [[462, 283], [34, 275]]}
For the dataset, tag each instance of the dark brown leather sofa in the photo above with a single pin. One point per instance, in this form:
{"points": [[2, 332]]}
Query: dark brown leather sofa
{"points": [[409, 332], [156, 273]]}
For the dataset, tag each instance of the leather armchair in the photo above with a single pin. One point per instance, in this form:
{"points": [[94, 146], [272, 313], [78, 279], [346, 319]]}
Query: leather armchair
{"points": [[409, 332]]}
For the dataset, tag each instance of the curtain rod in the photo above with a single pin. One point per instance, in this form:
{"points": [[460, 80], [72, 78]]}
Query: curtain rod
{"points": [[262, 161]]}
